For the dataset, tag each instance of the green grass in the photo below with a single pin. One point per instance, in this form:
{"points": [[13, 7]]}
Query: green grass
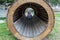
{"points": [[5, 33], [55, 34]]}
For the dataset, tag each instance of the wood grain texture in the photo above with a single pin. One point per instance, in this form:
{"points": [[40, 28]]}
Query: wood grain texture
{"points": [[11, 25]]}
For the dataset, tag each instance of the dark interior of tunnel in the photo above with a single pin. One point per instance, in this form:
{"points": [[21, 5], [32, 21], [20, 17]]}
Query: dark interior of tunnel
{"points": [[33, 27]]}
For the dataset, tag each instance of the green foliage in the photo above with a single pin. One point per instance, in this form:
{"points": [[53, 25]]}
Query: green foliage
{"points": [[2, 18], [9, 1], [2, 1], [55, 2]]}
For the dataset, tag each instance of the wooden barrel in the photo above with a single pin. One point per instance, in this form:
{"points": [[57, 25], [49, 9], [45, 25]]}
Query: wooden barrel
{"points": [[30, 19]]}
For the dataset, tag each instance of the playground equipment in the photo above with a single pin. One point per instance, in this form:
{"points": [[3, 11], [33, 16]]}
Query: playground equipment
{"points": [[30, 19]]}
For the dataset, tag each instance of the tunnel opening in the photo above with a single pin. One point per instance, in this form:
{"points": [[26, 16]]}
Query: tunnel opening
{"points": [[30, 26]]}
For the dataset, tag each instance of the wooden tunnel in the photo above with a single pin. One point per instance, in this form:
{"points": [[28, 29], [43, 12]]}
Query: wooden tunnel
{"points": [[30, 19]]}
